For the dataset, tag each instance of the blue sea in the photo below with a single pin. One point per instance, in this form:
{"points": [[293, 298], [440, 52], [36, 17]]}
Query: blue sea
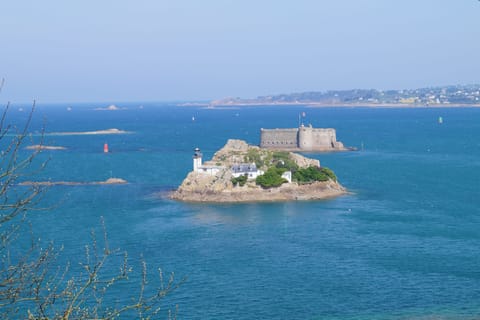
{"points": [[404, 244]]}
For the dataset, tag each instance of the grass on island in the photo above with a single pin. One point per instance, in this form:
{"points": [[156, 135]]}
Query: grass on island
{"points": [[275, 163]]}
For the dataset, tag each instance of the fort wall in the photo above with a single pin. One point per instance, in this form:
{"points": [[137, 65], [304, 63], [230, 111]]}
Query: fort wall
{"points": [[303, 139], [279, 138], [313, 139]]}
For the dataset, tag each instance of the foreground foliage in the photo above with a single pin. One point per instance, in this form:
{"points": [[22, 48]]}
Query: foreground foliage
{"points": [[33, 284]]}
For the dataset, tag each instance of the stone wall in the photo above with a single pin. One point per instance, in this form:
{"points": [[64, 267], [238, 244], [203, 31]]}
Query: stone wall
{"points": [[303, 139], [312, 139], [279, 138]]}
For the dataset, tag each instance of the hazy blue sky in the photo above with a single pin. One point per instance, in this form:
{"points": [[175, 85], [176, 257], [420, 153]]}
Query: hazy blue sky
{"points": [[153, 50]]}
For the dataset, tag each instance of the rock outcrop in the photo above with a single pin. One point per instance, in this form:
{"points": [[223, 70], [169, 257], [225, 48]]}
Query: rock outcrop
{"points": [[39, 147], [201, 187], [73, 183], [304, 162]]}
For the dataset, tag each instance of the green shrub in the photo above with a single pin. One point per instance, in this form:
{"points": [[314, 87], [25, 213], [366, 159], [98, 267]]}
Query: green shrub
{"points": [[272, 178], [282, 160], [281, 155], [312, 174], [329, 173], [309, 175], [253, 155], [241, 180]]}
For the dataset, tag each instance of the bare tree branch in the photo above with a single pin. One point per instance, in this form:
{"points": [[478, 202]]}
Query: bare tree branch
{"points": [[31, 284]]}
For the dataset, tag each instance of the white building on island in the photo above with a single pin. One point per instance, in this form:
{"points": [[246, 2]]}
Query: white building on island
{"points": [[197, 159], [248, 169], [251, 171], [287, 175], [243, 169], [199, 167]]}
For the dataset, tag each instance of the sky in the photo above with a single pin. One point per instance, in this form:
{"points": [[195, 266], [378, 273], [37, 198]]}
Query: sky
{"points": [[186, 50]]}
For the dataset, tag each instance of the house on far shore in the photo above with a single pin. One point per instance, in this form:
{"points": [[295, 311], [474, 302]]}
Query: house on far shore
{"points": [[248, 169]]}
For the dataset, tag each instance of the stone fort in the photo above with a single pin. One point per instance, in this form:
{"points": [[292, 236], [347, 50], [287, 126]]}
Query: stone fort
{"points": [[304, 138]]}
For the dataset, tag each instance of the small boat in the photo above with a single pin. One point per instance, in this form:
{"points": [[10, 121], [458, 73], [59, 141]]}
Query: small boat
{"points": [[440, 120]]}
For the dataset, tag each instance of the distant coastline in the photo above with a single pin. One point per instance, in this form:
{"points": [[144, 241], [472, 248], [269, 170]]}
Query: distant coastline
{"points": [[236, 105], [432, 97]]}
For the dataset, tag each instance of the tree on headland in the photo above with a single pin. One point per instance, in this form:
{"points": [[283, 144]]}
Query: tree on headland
{"points": [[33, 284]]}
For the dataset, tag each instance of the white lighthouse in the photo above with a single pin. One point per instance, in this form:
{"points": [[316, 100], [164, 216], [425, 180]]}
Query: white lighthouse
{"points": [[197, 159], [204, 169]]}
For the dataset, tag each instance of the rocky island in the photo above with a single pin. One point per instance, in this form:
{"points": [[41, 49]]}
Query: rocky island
{"points": [[243, 173], [86, 133], [40, 147], [109, 181]]}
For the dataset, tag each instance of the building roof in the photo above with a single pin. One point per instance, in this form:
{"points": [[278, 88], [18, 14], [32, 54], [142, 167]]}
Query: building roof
{"points": [[244, 168], [210, 167]]}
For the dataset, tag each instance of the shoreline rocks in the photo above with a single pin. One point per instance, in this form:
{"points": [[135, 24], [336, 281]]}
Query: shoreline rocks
{"points": [[286, 192], [39, 147], [73, 183]]}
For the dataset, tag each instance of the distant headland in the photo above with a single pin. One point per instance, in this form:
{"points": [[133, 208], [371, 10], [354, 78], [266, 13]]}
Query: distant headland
{"points": [[243, 173], [442, 96]]}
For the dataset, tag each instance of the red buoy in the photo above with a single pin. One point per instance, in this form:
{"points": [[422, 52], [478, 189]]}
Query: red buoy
{"points": [[105, 148]]}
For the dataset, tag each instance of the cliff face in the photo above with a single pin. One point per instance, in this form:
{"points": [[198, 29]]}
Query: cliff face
{"points": [[201, 187]]}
